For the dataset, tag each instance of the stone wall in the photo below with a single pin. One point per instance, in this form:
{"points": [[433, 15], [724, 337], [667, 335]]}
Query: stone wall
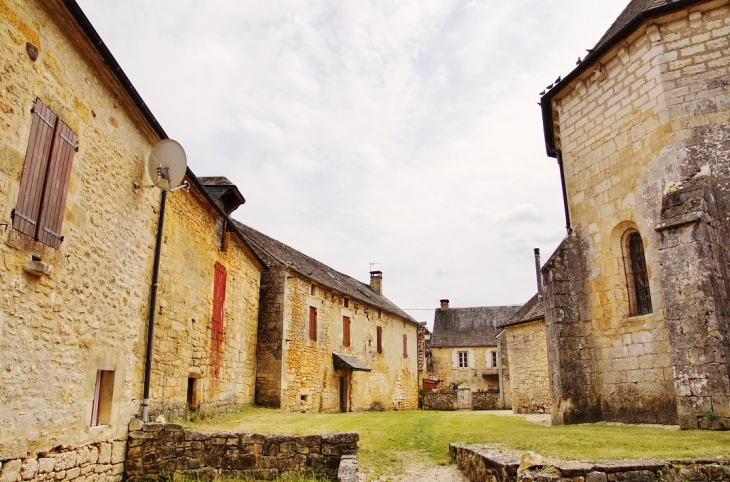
{"points": [[222, 371], [650, 115], [97, 461], [156, 448], [439, 401], [478, 463], [270, 335], [574, 387], [485, 400], [529, 382], [481, 376], [57, 330]]}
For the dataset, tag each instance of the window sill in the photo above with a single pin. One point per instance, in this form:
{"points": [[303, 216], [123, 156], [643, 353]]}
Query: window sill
{"points": [[36, 249]]}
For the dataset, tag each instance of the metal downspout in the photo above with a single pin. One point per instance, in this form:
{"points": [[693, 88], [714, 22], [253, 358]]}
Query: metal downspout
{"points": [[559, 156], [153, 310]]}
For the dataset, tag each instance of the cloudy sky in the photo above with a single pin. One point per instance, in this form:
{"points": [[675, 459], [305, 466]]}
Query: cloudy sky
{"points": [[404, 133]]}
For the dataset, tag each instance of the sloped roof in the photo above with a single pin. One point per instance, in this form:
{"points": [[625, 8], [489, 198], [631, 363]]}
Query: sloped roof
{"points": [[308, 267], [530, 311], [219, 188], [349, 362], [469, 326], [633, 16]]}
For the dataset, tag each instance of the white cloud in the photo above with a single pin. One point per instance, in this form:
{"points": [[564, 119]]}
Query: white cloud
{"points": [[404, 133]]}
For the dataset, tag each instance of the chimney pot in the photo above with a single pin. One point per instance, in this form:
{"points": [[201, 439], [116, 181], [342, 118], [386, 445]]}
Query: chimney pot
{"points": [[376, 281], [538, 275], [444, 304]]}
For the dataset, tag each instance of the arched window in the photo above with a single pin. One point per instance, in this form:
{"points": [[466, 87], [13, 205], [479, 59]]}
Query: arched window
{"points": [[637, 277]]}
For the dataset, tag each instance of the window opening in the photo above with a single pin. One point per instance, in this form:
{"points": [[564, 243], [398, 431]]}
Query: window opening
{"points": [[405, 346], [463, 359], [312, 290], [494, 359], [346, 331], [313, 323], [379, 332], [637, 277], [45, 177], [346, 302], [101, 411], [192, 399]]}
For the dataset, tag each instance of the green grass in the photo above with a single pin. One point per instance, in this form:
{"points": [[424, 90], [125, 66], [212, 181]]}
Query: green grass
{"points": [[384, 434]]}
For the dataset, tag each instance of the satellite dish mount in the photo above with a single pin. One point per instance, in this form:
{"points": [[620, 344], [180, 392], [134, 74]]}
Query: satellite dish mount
{"points": [[166, 167]]}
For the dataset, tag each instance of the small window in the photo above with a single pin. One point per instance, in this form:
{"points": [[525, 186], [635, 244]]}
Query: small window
{"points": [[637, 277], [494, 359], [312, 323], [312, 290], [346, 302], [463, 359], [379, 332], [45, 178], [192, 399], [346, 331], [380, 313], [101, 410], [405, 346]]}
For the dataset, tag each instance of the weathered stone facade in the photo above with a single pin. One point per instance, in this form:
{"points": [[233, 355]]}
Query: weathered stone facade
{"points": [[156, 448], [529, 379], [481, 375], [295, 368], [194, 363], [641, 128], [80, 308], [439, 401]]}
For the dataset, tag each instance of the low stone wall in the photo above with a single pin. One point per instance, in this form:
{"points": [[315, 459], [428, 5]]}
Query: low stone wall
{"points": [[485, 400], [439, 401], [98, 461], [478, 464], [157, 448]]}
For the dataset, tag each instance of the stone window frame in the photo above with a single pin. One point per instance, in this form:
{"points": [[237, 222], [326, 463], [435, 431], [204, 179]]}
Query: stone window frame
{"points": [[636, 273]]}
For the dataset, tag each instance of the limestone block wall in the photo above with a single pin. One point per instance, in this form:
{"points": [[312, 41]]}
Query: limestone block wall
{"points": [[222, 374], [58, 330], [270, 332], [651, 115], [469, 377], [156, 449], [309, 381], [529, 378]]}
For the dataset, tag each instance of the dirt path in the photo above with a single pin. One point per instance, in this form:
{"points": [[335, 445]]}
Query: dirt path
{"points": [[419, 467]]}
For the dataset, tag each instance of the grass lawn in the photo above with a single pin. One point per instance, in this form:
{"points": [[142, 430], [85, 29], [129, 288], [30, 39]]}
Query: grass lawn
{"points": [[382, 434]]}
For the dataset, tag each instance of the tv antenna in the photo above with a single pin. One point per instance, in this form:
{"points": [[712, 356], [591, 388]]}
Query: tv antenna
{"points": [[166, 167], [371, 265]]}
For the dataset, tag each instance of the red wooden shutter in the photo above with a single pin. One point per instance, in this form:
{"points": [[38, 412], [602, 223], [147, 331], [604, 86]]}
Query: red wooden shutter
{"points": [[313, 323], [219, 298], [379, 331], [405, 346], [34, 170], [345, 331], [58, 175]]}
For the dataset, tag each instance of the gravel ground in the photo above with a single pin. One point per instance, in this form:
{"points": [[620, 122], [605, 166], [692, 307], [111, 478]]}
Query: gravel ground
{"points": [[419, 467]]}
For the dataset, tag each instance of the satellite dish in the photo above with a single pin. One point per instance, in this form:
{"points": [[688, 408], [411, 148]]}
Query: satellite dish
{"points": [[167, 164]]}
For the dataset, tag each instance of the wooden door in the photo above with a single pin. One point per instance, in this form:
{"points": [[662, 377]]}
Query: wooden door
{"points": [[464, 399]]}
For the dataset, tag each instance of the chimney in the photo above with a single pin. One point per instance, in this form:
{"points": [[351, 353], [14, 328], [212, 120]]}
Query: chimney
{"points": [[444, 304], [376, 281], [538, 274]]}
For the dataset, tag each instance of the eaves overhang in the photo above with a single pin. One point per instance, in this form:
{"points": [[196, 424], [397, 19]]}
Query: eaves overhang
{"points": [[546, 103]]}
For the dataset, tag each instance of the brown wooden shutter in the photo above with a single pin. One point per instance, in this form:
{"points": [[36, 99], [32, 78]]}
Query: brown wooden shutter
{"points": [[379, 332], [34, 170], [219, 299], [405, 346], [58, 175], [313, 323], [345, 331]]}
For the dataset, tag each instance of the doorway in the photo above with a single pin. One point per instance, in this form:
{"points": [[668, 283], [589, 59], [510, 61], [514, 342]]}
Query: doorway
{"points": [[344, 389], [464, 399]]}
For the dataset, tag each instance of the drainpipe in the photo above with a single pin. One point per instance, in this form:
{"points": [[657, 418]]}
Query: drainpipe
{"points": [[559, 156], [153, 310]]}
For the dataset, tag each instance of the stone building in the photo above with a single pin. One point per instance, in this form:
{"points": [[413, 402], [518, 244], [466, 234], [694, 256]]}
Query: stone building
{"points": [[77, 244], [205, 329], [524, 381], [327, 342], [464, 348], [636, 296]]}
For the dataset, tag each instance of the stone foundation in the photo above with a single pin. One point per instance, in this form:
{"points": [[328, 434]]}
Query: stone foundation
{"points": [[478, 464], [98, 461], [156, 448]]}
